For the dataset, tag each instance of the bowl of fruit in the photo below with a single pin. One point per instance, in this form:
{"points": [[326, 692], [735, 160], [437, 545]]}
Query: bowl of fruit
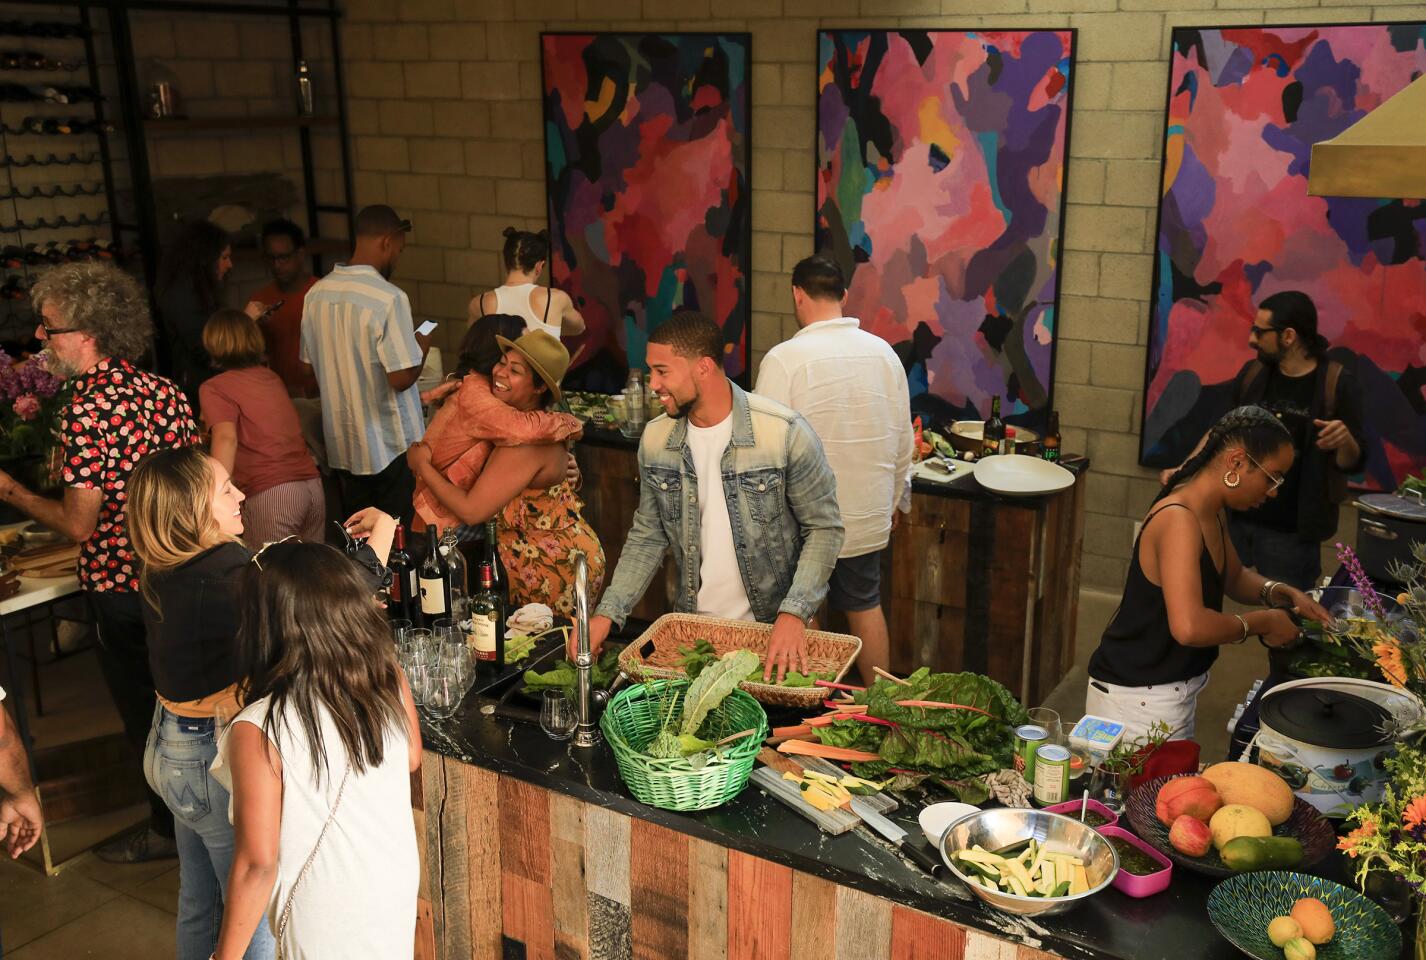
{"points": [[1277, 915], [1028, 862]]}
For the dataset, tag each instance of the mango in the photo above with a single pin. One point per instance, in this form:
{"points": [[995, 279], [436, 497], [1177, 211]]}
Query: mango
{"points": [[1299, 949], [1253, 786], [1186, 796], [1238, 820], [1315, 919], [1283, 929], [1190, 836]]}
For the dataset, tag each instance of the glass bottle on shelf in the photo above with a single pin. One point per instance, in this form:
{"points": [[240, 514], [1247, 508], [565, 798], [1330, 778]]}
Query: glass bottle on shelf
{"points": [[304, 89], [457, 587], [1052, 438], [635, 410], [993, 431]]}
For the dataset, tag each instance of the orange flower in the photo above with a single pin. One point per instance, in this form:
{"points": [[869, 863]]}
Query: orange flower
{"points": [[1403, 598], [1415, 814], [1348, 844], [1388, 659]]}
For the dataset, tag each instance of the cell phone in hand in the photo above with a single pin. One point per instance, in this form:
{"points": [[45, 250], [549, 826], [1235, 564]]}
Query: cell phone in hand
{"points": [[270, 309], [427, 328]]}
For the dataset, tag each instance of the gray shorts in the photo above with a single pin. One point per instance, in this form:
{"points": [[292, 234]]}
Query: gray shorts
{"points": [[856, 583]]}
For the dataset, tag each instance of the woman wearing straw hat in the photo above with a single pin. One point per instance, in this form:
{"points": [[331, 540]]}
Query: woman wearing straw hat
{"points": [[541, 523]]}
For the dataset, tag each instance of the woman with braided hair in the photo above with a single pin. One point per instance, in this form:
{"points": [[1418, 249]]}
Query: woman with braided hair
{"points": [[1154, 658]]}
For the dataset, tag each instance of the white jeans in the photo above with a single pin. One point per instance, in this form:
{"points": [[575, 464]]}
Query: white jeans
{"points": [[1138, 707]]}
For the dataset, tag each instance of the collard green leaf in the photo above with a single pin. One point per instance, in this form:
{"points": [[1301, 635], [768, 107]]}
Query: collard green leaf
{"points": [[713, 685]]}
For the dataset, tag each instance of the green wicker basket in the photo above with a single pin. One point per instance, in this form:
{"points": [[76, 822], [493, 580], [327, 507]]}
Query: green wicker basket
{"points": [[632, 719]]}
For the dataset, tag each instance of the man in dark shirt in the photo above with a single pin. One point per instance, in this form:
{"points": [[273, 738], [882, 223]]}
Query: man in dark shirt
{"points": [[94, 322]]}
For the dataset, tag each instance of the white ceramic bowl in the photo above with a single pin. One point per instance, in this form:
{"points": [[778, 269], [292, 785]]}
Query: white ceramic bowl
{"points": [[1020, 476], [936, 817]]}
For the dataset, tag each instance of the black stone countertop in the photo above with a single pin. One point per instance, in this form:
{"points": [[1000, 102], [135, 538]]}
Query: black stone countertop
{"points": [[1109, 926], [963, 487]]}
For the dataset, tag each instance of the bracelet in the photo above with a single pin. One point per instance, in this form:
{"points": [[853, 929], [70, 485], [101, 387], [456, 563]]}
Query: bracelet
{"points": [[1265, 593], [1241, 619]]}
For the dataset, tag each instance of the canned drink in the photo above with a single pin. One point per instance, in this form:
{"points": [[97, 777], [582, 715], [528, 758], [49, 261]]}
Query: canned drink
{"points": [[1052, 763], [1028, 739]]}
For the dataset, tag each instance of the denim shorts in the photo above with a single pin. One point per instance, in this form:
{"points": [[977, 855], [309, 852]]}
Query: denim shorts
{"points": [[856, 583]]}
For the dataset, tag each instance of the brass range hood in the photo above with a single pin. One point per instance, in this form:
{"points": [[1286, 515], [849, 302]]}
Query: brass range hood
{"points": [[1381, 155]]}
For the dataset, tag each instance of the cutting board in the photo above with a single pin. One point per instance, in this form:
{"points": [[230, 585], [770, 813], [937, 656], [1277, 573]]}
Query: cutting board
{"points": [[836, 821], [47, 562]]}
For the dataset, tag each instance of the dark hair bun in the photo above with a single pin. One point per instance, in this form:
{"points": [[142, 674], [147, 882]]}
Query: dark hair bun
{"points": [[544, 235], [508, 232]]}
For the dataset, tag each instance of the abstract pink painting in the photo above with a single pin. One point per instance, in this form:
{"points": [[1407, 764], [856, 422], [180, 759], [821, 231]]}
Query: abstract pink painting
{"points": [[940, 190], [1236, 224]]}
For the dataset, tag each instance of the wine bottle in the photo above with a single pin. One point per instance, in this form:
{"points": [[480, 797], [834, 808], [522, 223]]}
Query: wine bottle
{"points": [[994, 430], [1051, 446], [457, 587], [487, 621], [435, 604], [497, 569], [405, 590]]}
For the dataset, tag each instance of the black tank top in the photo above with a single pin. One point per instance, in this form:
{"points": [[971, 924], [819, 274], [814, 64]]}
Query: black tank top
{"points": [[1138, 649]]}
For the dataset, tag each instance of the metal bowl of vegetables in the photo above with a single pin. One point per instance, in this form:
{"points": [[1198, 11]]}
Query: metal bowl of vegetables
{"points": [[1028, 862]]}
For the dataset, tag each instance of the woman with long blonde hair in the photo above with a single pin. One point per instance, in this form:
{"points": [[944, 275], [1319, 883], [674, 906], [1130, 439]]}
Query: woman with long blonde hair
{"points": [[185, 521]]}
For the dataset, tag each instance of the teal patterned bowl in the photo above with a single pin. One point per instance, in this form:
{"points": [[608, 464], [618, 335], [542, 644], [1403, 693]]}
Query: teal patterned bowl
{"points": [[1241, 907]]}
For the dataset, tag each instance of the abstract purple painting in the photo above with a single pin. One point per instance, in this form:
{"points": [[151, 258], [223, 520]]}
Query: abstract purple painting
{"points": [[1245, 106], [940, 190], [646, 155]]}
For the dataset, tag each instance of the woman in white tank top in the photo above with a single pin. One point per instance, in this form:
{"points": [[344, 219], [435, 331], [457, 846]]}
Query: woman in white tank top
{"points": [[320, 760], [542, 308]]}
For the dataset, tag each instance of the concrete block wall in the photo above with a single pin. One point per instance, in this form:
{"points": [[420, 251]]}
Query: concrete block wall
{"points": [[444, 99]]}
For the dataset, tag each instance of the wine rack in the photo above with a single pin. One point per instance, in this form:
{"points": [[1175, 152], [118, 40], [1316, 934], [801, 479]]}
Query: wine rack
{"points": [[56, 186]]}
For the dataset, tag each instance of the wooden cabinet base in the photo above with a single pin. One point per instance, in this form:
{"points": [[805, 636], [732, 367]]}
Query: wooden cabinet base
{"points": [[511, 870]]}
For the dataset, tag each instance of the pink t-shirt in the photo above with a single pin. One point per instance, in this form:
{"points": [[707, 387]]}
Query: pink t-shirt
{"points": [[270, 445]]}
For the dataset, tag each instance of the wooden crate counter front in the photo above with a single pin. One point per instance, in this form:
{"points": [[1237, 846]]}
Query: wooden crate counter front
{"points": [[971, 581]]}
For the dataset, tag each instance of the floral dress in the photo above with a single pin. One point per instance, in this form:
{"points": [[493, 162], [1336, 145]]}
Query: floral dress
{"points": [[539, 532]]}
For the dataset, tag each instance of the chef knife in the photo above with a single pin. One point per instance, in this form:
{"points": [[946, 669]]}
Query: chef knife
{"points": [[896, 835]]}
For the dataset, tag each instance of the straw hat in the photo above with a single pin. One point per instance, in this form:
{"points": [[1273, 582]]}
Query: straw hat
{"points": [[545, 355]]}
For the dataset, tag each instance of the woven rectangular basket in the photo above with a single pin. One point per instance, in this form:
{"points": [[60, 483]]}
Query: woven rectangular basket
{"points": [[832, 653]]}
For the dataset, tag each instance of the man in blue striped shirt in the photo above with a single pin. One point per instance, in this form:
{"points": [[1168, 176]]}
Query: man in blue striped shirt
{"points": [[358, 338]]}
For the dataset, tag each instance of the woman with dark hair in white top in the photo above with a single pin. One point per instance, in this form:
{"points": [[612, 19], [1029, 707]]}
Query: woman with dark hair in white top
{"points": [[542, 308]]}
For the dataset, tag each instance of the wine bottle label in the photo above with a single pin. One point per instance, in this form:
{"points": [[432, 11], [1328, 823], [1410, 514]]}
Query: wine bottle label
{"points": [[482, 631], [433, 596]]}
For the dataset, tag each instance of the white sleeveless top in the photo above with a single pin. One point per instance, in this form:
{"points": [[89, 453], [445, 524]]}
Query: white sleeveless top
{"points": [[358, 899], [515, 300]]}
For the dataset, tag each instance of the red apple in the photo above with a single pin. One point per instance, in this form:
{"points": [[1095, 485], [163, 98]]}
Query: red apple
{"points": [[1190, 836]]}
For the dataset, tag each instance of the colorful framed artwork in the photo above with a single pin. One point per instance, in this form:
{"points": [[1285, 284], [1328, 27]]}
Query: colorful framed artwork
{"points": [[940, 189], [647, 157], [1236, 224]]}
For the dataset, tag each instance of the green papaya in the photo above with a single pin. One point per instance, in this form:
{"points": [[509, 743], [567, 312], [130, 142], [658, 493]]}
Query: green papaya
{"points": [[1261, 853]]}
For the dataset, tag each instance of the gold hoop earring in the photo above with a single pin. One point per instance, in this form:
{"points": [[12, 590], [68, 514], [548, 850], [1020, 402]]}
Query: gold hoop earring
{"points": [[1231, 479]]}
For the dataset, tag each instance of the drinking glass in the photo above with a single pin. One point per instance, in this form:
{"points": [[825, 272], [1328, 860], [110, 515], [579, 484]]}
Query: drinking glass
{"points": [[557, 717], [399, 629], [415, 660], [446, 687], [1050, 720]]}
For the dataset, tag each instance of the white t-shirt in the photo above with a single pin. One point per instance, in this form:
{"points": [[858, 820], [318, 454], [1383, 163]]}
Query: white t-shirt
{"points": [[720, 589]]}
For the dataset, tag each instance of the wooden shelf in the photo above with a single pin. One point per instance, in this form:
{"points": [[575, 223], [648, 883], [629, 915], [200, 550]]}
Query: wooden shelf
{"points": [[236, 123]]}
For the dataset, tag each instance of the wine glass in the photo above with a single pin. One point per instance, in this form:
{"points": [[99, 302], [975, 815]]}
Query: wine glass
{"points": [[399, 628], [1050, 720], [557, 717]]}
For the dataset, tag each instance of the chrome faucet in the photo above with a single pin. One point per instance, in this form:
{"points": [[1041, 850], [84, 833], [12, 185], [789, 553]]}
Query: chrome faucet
{"points": [[586, 733]]}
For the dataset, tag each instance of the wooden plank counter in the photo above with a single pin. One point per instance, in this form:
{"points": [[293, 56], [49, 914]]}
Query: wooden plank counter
{"points": [[971, 580]]}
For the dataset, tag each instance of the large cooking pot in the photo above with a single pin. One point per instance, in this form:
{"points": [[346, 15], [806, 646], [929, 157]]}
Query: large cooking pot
{"points": [[1387, 525], [1329, 738]]}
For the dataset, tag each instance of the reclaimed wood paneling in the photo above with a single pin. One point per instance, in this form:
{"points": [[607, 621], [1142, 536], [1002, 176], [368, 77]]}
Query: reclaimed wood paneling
{"points": [[980, 946], [527, 905], [814, 907], [606, 853], [425, 930], [920, 936], [708, 897], [759, 909], [568, 885], [472, 826], [863, 926], [658, 883]]}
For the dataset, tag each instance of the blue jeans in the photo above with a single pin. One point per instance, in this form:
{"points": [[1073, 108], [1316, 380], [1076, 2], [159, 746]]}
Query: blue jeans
{"points": [[1277, 554], [176, 760]]}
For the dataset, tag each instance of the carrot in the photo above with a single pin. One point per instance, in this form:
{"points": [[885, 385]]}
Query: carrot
{"points": [[791, 731], [822, 721], [937, 705], [826, 751]]}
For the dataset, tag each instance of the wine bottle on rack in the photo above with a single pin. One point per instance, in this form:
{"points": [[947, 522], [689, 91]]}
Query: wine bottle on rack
{"points": [[497, 569], [405, 591], [435, 601]]}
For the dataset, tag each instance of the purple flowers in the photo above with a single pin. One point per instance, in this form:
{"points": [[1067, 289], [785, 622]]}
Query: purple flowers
{"points": [[30, 376], [1361, 581]]}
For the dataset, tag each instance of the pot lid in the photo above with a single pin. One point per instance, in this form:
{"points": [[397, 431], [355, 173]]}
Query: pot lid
{"points": [[1394, 505], [1327, 718]]}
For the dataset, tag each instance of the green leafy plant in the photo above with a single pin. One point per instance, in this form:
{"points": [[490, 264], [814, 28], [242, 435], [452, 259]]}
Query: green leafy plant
{"points": [[683, 716], [565, 676]]}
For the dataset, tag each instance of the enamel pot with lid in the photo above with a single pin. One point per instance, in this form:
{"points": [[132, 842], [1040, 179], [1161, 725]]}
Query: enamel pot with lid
{"points": [[1329, 742], [1387, 525]]}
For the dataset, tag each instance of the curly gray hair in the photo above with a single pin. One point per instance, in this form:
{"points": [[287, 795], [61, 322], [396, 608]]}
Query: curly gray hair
{"points": [[101, 300]]}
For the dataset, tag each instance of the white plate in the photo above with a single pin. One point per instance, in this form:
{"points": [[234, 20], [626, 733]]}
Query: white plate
{"points": [[1020, 476]]}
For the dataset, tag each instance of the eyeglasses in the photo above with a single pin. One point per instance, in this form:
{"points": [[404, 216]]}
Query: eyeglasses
{"points": [[1264, 331], [1275, 479], [56, 331]]}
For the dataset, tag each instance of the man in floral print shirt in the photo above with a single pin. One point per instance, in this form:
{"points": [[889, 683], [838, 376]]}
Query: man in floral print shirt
{"points": [[95, 323]]}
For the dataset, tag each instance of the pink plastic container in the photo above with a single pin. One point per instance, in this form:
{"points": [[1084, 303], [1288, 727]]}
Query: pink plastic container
{"points": [[1134, 885], [1070, 808]]}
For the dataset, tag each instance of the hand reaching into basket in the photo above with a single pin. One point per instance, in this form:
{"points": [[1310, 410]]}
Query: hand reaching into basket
{"points": [[599, 628], [786, 648]]}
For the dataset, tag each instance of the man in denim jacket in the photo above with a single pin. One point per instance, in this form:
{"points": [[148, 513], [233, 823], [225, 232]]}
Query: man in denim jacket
{"points": [[756, 543]]}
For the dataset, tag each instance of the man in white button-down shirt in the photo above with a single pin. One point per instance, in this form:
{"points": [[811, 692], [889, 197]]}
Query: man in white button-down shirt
{"points": [[851, 387], [20, 819]]}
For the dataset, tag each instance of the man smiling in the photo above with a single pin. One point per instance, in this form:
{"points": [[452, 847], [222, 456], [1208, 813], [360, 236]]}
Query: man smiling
{"points": [[736, 487]]}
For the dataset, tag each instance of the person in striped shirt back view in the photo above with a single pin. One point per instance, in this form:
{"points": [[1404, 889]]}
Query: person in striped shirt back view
{"points": [[358, 338]]}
